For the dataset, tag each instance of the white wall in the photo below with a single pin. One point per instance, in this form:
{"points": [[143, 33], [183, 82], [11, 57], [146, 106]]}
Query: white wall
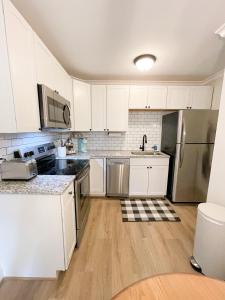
{"points": [[216, 192], [217, 87], [1, 273]]}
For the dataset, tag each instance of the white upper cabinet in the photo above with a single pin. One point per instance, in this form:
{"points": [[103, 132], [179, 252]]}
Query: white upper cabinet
{"points": [[157, 97], [7, 111], [147, 97], [117, 107], [138, 98], [98, 107], [178, 97], [20, 40], [201, 97], [44, 64], [82, 105], [50, 72], [189, 97]]}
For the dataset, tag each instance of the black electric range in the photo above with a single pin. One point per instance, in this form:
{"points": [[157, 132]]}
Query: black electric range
{"points": [[49, 165]]}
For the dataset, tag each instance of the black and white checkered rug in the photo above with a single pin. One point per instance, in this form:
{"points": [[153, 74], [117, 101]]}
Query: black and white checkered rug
{"points": [[146, 210]]}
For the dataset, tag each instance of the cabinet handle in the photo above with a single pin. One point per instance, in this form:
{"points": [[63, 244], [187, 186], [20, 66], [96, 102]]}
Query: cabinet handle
{"points": [[70, 193], [90, 129], [147, 167], [150, 167], [146, 106], [149, 106], [107, 129]]}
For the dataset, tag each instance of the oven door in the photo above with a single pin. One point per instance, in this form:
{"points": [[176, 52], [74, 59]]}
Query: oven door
{"points": [[47, 106], [82, 201], [62, 112]]}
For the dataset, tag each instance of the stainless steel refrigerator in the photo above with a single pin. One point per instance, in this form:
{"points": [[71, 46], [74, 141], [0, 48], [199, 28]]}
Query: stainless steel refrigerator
{"points": [[188, 137]]}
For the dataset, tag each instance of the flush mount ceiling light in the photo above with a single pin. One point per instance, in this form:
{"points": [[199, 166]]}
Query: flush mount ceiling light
{"points": [[221, 31], [144, 62]]}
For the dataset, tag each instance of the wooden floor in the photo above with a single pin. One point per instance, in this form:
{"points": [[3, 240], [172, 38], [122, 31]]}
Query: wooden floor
{"points": [[113, 255]]}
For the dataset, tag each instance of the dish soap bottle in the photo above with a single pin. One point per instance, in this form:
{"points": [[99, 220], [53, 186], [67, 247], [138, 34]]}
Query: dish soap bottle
{"points": [[155, 149]]}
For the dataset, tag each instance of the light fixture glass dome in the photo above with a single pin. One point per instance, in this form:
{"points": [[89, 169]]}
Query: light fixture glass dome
{"points": [[144, 62]]}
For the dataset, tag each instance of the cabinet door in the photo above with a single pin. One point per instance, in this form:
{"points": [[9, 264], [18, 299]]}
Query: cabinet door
{"points": [[20, 39], [138, 185], [201, 97], [157, 97], [117, 108], [138, 97], [7, 112], [98, 107], [178, 97], [69, 224], [157, 180], [82, 106], [44, 65], [97, 177]]}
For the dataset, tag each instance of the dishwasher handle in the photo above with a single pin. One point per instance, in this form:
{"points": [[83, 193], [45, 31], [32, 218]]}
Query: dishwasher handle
{"points": [[125, 161]]}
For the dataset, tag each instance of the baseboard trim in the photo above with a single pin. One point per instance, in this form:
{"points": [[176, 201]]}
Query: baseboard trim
{"points": [[97, 195]]}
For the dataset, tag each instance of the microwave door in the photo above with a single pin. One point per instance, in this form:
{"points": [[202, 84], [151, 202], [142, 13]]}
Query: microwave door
{"points": [[62, 112], [47, 106]]}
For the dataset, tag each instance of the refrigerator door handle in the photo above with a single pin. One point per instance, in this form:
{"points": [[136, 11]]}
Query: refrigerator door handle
{"points": [[183, 138]]}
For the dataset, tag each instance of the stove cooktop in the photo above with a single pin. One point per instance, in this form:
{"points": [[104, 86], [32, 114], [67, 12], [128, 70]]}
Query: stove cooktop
{"points": [[63, 167]]}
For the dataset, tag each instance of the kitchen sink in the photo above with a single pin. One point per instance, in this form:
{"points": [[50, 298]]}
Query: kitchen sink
{"points": [[146, 153]]}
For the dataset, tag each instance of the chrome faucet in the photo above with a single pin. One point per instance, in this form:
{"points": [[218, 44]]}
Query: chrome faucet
{"points": [[144, 141]]}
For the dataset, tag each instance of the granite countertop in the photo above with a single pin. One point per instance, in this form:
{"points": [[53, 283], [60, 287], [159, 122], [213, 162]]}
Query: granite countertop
{"points": [[111, 153], [41, 184]]}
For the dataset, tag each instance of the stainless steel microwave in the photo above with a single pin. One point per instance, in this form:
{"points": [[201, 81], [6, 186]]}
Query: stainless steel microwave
{"points": [[54, 109]]}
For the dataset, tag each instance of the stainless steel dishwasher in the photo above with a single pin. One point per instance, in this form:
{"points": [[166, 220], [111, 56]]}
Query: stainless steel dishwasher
{"points": [[117, 177]]}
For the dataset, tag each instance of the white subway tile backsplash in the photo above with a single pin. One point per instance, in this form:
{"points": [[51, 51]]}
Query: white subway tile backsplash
{"points": [[11, 142]]}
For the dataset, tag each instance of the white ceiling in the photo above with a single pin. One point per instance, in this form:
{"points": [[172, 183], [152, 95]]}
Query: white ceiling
{"points": [[98, 39]]}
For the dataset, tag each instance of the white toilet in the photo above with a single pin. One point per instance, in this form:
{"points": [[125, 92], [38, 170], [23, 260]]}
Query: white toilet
{"points": [[209, 244]]}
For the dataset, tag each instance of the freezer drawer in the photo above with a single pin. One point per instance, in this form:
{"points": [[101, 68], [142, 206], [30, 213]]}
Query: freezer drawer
{"points": [[117, 177]]}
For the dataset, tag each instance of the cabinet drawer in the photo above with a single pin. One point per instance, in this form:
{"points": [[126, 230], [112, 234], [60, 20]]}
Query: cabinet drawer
{"points": [[142, 161]]}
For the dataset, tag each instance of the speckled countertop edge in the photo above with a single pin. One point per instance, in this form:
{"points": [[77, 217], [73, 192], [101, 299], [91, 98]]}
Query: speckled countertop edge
{"points": [[111, 154], [40, 185]]}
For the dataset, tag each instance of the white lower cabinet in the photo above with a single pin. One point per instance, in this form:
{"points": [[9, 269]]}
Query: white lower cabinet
{"points": [[69, 225], [97, 177], [157, 180], [139, 177], [148, 176], [39, 231]]}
